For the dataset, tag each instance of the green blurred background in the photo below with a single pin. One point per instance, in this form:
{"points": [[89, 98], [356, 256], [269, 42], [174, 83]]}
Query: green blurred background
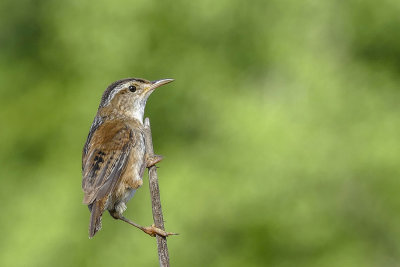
{"points": [[280, 132]]}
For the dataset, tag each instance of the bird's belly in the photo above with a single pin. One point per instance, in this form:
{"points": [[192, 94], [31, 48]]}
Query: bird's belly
{"points": [[131, 179], [135, 169], [129, 193], [125, 190]]}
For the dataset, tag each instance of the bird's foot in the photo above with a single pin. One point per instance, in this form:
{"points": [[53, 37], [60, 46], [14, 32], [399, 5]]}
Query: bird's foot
{"points": [[153, 231], [150, 230], [153, 160]]}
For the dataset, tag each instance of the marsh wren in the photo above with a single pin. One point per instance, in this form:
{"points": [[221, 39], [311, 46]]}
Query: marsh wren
{"points": [[114, 157]]}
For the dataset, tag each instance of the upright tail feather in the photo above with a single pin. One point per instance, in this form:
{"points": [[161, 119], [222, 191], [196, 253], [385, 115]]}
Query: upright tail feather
{"points": [[95, 218]]}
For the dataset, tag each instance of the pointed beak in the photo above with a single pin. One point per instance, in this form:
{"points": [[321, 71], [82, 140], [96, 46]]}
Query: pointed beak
{"points": [[158, 83]]}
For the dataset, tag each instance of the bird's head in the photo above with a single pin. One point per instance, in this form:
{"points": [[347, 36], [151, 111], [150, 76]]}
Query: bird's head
{"points": [[128, 97]]}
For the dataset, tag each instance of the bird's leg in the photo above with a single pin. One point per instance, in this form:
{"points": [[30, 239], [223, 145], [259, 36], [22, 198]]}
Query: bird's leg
{"points": [[153, 160], [150, 230]]}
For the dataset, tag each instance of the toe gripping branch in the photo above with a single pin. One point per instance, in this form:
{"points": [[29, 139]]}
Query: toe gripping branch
{"points": [[150, 230], [153, 160]]}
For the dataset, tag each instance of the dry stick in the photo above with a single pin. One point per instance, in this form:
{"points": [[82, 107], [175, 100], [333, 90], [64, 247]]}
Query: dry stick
{"points": [[155, 199]]}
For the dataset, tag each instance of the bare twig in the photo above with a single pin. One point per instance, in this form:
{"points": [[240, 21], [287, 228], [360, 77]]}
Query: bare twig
{"points": [[155, 199]]}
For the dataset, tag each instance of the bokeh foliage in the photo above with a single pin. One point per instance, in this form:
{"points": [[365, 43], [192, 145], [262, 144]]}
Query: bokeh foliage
{"points": [[280, 133]]}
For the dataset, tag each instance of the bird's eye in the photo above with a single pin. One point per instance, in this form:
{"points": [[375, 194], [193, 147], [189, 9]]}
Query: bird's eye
{"points": [[132, 88]]}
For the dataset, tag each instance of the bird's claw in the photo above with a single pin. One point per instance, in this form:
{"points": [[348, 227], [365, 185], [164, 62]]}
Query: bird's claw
{"points": [[153, 160], [153, 231]]}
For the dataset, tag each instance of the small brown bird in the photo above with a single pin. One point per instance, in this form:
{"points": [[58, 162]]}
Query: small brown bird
{"points": [[114, 157]]}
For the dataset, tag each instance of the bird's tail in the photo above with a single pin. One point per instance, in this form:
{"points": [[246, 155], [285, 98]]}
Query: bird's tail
{"points": [[95, 218]]}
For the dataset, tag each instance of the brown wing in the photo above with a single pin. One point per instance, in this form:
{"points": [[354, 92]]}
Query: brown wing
{"points": [[106, 158]]}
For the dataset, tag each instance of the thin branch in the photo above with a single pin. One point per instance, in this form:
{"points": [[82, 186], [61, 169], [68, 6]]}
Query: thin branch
{"points": [[155, 199]]}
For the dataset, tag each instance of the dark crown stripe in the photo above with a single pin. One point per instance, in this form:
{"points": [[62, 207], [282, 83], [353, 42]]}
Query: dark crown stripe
{"points": [[111, 87]]}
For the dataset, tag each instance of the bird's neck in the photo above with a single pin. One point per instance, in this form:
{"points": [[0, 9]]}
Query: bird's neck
{"points": [[138, 114], [136, 111], [133, 112]]}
